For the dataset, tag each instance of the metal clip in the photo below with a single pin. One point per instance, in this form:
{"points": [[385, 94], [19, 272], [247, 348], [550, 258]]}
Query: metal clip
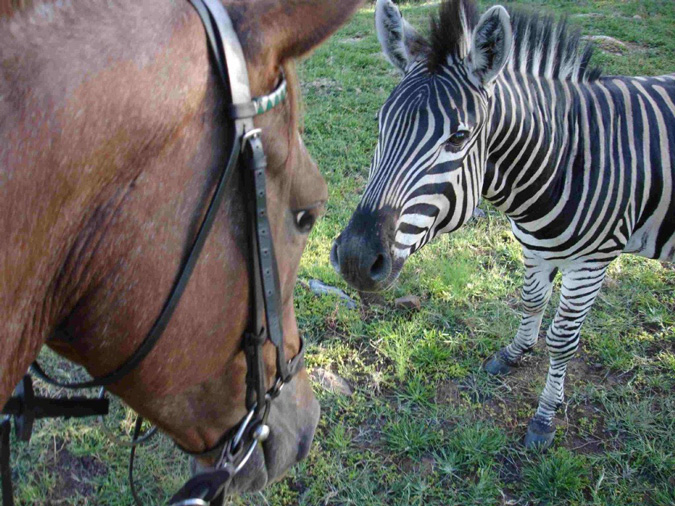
{"points": [[240, 432], [254, 133], [247, 456], [232, 448], [191, 502], [276, 389]]}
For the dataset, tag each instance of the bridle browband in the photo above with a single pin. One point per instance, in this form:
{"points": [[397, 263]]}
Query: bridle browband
{"points": [[238, 444]]}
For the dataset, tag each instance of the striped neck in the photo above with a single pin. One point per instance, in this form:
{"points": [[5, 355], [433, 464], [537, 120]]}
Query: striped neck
{"points": [[533, 139]]}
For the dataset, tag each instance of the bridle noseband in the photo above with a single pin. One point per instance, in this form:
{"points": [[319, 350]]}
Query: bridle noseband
{"points": [[237, 445]]}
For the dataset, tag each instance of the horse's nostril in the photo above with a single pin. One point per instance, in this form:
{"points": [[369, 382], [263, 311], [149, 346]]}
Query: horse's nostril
{"points": [[378, 271]]}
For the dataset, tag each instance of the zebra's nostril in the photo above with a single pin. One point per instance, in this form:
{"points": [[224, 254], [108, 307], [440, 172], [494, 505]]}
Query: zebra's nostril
{"points": [[380, 268], [335, 256]]}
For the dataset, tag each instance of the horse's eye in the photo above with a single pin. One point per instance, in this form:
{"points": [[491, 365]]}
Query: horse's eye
{"points": [[457, 140], [304, 220]]}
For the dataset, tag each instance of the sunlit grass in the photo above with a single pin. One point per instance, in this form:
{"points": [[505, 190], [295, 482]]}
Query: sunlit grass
{"points": [[425, 425]]}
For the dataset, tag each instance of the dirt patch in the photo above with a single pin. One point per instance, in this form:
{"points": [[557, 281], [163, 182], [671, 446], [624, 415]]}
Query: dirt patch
{"points": [[610, 45], [352, 40], [322, 86], [509, 470], [585, 429], [510, 401], [75, 475], [592, 15], [369, 300], [423, 466], [447, 393], [331, 382]]}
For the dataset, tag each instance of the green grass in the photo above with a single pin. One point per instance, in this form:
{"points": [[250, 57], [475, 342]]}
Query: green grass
{"points": [[559, 478], [425, 425]]}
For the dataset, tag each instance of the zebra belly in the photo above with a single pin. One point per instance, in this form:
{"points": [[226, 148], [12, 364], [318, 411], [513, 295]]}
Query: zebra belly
{"points": [[608, 244], [643, 242], [656, 237]]}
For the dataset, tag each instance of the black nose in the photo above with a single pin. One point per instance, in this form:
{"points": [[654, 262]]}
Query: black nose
{"points": [[362, 257]]}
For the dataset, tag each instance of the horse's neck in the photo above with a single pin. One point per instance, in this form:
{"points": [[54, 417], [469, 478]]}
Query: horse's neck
{"points": [[86, 109]]}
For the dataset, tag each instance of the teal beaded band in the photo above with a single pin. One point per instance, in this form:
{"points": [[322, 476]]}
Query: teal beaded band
{"points": [[264, 104]]}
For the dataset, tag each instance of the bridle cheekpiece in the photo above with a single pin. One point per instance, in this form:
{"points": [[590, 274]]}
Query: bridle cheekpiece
{"points": [[236, 447]]}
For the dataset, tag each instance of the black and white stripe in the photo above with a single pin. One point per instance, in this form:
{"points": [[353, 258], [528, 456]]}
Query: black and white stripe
{"points": [[583, 165], [414, 127]]}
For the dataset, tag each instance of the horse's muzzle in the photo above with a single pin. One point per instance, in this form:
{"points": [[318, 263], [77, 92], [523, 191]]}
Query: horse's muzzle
{"points": [[293, 419]]}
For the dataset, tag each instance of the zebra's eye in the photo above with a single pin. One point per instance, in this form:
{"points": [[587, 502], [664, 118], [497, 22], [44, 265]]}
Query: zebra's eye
{"points": [[457, 141], [304, 220]]}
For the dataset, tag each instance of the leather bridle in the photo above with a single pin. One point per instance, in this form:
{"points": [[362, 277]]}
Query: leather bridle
{"points": [[238, 444]]}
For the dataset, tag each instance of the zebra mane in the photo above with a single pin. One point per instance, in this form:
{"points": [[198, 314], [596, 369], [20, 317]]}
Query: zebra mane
{"points": [[542, 45], [451, 31]]}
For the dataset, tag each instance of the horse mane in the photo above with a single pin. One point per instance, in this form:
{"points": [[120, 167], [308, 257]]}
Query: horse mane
{"points": [[542, 45]]}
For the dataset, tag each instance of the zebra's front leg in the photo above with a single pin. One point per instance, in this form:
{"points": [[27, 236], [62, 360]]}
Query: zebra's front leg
{"points": [[536, 292], [580, 286]]}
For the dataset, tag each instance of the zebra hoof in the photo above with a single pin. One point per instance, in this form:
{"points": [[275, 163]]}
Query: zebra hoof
{"points": [[540, 434], [498, 364]]}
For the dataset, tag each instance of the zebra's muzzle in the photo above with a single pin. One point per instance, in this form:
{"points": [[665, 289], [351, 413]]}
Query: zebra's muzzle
{"points": [[362, 253]]}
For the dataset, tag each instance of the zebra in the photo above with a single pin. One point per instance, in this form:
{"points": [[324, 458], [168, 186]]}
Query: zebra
{"points": [[508, 108]]}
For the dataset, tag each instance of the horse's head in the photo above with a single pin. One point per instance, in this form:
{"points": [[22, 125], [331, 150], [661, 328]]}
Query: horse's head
{"points": [[209, 403], [427, 172], [142, 134]]}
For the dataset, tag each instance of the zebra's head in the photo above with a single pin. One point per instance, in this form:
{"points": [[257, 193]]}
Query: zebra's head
{"points": [[427, 171]]}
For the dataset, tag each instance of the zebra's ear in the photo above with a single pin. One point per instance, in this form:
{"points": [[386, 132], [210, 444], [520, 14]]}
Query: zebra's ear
{"points": [[401, 43], [491, 44]]}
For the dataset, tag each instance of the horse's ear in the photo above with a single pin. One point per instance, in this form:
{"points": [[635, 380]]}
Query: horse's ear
{"points": [[289, 30], [401, 43], [491, 44]]}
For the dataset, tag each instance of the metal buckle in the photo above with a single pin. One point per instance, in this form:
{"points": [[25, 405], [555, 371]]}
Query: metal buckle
{"points": [[191, 502], [276, 389], [260, 434], [233, 447], [247, 456], [254, 133]]}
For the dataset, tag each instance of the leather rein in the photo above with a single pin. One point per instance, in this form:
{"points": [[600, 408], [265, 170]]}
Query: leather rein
{"points": [[238, 444]]}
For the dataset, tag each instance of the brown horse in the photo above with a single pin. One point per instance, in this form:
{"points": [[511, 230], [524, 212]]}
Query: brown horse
{"points": [[112, 131]]}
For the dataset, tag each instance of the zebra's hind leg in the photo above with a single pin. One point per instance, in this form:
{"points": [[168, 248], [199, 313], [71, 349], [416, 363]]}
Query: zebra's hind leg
{"points": [[536, 292], [580, 286]]}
